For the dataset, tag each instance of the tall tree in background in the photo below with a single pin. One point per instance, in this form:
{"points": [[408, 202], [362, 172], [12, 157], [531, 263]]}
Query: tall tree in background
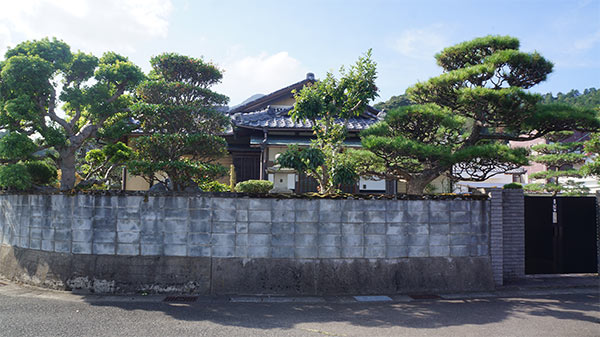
{"points": [[561, 160], [394, 102], [589, 98], [38, 79], [180, 122], [484, 83], [592, 149], [568, 153], [328, 104]]}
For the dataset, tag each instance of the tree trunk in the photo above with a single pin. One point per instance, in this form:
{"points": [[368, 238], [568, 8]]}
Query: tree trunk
{"points": [[67, 170], [416, 186]]}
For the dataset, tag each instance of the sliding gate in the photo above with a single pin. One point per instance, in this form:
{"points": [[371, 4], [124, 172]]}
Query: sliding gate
{"points": [[560, 235]]}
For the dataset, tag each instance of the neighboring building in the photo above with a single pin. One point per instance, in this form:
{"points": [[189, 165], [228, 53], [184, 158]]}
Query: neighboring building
{"points": [[498, 180]]}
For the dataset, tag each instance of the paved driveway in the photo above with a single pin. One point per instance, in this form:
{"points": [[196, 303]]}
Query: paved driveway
{"points": [[33, 312]]}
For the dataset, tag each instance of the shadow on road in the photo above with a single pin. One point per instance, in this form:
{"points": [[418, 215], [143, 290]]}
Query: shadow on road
{"points": [[418, 314]]}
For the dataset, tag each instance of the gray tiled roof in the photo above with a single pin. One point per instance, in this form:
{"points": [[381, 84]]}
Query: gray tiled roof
{"points": [[278, 118]]}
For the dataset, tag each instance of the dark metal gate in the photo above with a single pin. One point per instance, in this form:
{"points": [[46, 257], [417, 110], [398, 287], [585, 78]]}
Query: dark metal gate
{"points": [[560, 235], [247, 166]]}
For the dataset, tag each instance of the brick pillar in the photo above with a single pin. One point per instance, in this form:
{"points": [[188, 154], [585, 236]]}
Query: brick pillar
{"points": [[496, 236], [513, 233], [598, 228]]}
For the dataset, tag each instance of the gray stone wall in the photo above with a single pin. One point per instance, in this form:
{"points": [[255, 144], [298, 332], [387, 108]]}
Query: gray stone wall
{"points": [[249, 245], [244, 227]]}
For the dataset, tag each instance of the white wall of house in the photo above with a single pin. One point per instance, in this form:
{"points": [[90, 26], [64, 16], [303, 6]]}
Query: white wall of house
{"points": [[498, 180], [371, 184]]}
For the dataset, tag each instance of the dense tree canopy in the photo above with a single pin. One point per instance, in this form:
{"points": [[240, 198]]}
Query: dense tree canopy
{"points": [[590, 98], [464, 117], [328, 104], [393, 103], [592, 148], [53, 100], [180, 122]]}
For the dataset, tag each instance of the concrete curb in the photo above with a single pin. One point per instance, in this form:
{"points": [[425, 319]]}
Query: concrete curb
{"points": [[10, 289]]}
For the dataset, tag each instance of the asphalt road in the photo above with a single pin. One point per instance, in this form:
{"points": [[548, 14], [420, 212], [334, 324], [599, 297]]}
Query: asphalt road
{"points": [[26, 312]]}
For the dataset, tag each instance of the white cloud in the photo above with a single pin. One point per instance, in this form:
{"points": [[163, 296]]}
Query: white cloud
{"points": [[94, 26], [262, 74], [420, 43]]}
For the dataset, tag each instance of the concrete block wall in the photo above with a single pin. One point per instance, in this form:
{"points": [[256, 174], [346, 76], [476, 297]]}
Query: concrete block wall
{"points": [[222, 245], [245, 228]]}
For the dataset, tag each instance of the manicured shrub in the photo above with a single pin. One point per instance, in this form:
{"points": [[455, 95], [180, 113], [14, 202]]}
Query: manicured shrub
{"points": [[214, 186], [15, 176], [513, 186], [41, 172], [254, 186]]}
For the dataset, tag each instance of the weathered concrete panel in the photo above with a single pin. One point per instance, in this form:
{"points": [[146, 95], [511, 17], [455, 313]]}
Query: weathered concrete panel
{"points": [[316, 233]]}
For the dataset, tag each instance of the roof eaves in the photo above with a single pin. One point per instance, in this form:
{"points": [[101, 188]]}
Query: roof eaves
{"points": [[271, 96]]}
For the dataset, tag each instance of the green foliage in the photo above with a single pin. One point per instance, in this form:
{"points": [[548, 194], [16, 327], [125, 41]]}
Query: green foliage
{"points": [[181, 125], [328, 104], [214, 186], [592, 148], [565, 187], [394, 102], [42, 172], [92, 93], [254, 186], [464, 118], [302, 160], [513, 186], [560, 159], [103, 164], [15, 146], [590, 98], [15, 176], [344, 171], [474, 52]]}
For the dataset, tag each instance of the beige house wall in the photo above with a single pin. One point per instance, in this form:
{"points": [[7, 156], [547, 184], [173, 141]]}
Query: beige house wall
{"points": [[137, 183], [226, 161], [274, 151]]}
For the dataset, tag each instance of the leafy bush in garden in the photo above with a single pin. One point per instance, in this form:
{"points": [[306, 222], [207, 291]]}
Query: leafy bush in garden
{"points": [[42, 172], [513, 186], [254, 186], [214, 186], [15, 176]]}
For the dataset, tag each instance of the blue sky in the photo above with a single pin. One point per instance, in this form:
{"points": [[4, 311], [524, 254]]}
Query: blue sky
{"points": [[265, 45]]}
